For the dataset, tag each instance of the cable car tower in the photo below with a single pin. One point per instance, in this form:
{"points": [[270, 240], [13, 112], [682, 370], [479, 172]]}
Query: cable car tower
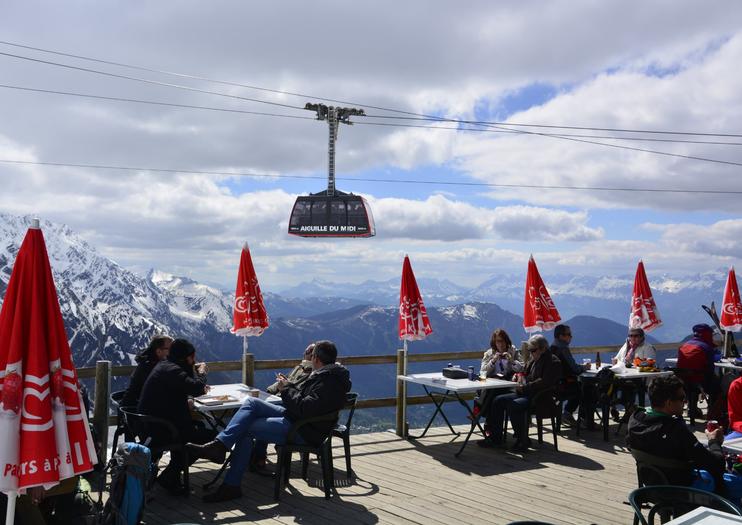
{"points": [[332, 213]]}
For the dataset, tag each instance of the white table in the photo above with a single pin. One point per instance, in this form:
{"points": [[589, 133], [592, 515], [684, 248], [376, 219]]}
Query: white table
{"points": [[440, 392], [237, 391], [733, 445], [706, 516], [627, 374]]}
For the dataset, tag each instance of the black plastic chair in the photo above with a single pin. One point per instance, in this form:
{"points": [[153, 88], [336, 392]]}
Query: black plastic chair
{"points": [[164, 437], [551, 411], [121, 428], [671, 501], [654, 470], [323, 452], [343, 431]]}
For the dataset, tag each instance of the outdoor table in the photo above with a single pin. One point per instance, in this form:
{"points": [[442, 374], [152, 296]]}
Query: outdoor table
{"points": [[439, 393], [218, 410], [706, 516], [722, 366], [628, 374], [733, 445]]}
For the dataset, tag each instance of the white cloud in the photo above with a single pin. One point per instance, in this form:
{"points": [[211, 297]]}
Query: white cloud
{"points": [[439, 218]]}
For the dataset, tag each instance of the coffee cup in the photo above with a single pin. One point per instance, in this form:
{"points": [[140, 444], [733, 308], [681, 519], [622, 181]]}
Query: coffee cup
{"points": [[254, 392]]}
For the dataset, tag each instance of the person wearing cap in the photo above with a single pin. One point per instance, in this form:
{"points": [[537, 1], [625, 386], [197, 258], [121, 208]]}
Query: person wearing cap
{"points": [[543, 371], [696, 363], [165, 394]]}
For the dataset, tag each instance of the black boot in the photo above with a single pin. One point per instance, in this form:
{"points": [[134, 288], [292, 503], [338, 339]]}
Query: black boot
{"points": [[215, 451]]}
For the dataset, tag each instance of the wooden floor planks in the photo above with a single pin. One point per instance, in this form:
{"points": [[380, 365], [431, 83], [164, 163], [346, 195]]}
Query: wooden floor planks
{"points": [[420, 481]]}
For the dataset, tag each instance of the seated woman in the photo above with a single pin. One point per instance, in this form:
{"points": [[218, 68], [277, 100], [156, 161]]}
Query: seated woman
{"points": [[157, 350], [501, 359], [634, 350]]}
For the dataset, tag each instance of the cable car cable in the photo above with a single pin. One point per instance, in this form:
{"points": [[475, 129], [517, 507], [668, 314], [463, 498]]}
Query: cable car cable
{"points": [[385, 124], [410, 115], [366, 179]]}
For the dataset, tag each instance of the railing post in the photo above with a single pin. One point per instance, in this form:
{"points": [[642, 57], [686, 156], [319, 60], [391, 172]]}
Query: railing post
{"points": [[248, 369], [102, 406], [401, 396]]}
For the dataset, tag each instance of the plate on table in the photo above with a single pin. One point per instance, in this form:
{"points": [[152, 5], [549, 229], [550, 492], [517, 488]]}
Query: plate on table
{"points": [[215, 400]]}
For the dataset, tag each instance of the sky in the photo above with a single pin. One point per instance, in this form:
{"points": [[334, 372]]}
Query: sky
{"points": [[464, 204]]}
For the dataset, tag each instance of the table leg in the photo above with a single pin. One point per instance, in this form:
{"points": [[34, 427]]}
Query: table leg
{"points": [[438, 410], [605, 407], [474, 424]]}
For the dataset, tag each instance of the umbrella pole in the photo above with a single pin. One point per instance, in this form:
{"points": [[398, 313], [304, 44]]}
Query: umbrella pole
{"points": [[10, 510], [726, 352], [404, 391], [244, 345]]}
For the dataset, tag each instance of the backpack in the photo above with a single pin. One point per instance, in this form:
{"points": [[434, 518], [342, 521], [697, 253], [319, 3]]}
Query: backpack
{"points": [[605, 381], [130, 472]]}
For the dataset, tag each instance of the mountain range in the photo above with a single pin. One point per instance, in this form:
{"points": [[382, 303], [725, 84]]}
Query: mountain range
{"points": [[110, 312]]}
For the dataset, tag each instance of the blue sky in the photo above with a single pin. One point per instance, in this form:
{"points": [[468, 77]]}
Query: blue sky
{"points": [[658, 66]]}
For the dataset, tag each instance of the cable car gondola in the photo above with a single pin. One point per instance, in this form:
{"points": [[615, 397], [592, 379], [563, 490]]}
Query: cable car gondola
{"points": [[338, 215], [332, 213]]}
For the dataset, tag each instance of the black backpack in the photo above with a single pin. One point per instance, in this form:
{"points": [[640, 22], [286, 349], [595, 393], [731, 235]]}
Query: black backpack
{"points": [[131, 468]]}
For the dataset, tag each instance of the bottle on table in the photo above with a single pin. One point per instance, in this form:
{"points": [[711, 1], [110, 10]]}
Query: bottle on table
{"points": [[472, 375], [597, 360]]}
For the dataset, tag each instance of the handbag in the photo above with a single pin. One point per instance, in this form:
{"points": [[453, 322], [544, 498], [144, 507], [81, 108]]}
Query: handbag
{"points": [[452, 372]]}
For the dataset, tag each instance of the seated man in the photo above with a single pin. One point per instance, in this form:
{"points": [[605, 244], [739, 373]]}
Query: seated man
{"points": [[571, 391], [165, 394], [157, 350], [299, 374], [296, 377], [322, 393], [661, 431], [543, 371], [696, 361], [634, 348]]}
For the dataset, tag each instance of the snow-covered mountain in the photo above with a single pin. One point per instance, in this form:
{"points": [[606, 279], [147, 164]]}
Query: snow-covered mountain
{"points": [[110, 312]]}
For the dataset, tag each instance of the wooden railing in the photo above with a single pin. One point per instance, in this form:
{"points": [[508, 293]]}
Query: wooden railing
{"points": [[103, 372]]}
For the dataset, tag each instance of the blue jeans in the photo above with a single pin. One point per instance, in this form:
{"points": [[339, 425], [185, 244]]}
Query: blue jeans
{"points": [[256, 420], [516, 406]]}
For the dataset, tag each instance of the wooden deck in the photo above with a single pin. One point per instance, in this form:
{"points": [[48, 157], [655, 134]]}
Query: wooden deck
{"points": [[420, 481]]}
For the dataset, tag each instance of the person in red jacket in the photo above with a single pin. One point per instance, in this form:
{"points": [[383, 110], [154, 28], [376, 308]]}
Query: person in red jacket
{"points": [[696, 363], [734, 405]]}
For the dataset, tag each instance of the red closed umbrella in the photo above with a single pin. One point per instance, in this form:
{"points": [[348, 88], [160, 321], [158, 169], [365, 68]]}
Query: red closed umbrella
{"points": [[249, 317], [731, 309], [539, 312], [44, 433], [414, 324], [644, 313]]}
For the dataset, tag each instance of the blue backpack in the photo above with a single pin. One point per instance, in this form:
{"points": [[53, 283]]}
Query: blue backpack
{"points": [[131, 468]]}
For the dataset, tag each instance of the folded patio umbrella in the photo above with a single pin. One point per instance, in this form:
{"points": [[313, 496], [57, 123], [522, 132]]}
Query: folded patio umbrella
{"points": [[414, 324], [644, 313], [44, 433], [249, 317], [731, 308], [539, 312]]}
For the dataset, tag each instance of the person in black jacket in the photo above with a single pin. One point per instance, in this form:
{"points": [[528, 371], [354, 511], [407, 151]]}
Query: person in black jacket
{"points": [[322, 393], [661, 431], [157, 350], [542, 372], [165, 394]]}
